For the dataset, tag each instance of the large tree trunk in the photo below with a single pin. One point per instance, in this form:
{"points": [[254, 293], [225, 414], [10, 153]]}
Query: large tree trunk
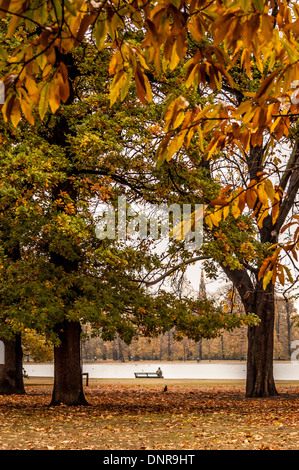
{"points": [[68, 386], [260, 378], [11, 372]]}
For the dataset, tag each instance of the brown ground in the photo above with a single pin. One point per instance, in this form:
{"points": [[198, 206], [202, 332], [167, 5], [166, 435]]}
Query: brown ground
{"points": [[138, 414]]}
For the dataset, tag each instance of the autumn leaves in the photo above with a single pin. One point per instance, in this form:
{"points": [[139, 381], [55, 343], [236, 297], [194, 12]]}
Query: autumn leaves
{"points": [[208, 39], [242, 32], [123, 67]]}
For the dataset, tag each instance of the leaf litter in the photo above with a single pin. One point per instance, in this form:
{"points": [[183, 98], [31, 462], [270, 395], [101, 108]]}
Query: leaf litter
{"points": [[145, 417]]}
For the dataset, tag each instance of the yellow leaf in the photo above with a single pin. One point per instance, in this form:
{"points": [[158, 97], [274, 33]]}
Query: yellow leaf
{"points": [[212, 149], [202, 113], [175, 145], [275, 211], [292, 51], [262, 216], [176, 3], [251, 195], [43, 100], [148, 89], [12, 26], [266, 87], [7, 107], [54, 97], [101, 31], [195, 28], [32, 89], [171, 113], [216, 217], [126, 82], [115, 86], [26, 109], [267, 28], [243, 108], [245, 62], [192, 79], [262, 195], [15, 114], [175, 59], [179, 119], [269, 189], [225, 212], [236, 211], [113, 63], [189, 137], [200, 139], [161, 151], [208, 221], [51, 55], [267, 279]]}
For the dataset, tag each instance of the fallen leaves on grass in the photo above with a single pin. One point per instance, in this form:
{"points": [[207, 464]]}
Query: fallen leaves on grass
{"points": [[143, 417]]}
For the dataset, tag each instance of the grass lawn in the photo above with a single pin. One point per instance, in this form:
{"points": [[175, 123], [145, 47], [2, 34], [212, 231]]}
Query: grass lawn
{"points": [[137, 414]]}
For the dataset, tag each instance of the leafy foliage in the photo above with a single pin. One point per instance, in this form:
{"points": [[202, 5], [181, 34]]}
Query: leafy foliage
{"points": [[54, 174], [211, 40]]}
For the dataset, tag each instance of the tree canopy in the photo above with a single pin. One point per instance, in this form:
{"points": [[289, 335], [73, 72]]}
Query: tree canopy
{"points": [[53, 175], [211, 40]]}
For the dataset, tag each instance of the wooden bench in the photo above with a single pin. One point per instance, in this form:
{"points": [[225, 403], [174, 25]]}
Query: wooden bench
{"points": [[148, 375], [86, 374]]}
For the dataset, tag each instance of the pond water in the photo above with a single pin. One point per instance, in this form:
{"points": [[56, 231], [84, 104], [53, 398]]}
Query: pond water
{"points": [[171, 370]]}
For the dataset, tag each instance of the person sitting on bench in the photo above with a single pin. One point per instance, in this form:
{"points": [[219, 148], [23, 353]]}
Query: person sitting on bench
{"points": [[159, 372]]}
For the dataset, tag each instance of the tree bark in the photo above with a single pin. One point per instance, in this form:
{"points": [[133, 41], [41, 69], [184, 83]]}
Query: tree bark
{"points": [[11, 372], [68, 385], [260, 378]]}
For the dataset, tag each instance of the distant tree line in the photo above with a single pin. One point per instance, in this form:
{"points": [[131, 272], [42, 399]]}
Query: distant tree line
{"points": [[229, 346]]}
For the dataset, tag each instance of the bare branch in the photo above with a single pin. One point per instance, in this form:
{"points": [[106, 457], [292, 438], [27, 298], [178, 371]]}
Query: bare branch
{"points": [[175, 268]]}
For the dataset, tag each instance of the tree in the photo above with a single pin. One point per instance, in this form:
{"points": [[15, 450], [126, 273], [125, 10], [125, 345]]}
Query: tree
{"points": [[36, 346], [55, 282], [260, 40], [285, 323], [245, 243], [53, 175], [11, 372]]}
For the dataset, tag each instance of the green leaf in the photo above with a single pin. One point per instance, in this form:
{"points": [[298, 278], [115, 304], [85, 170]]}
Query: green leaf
{"points": [[101, 32], [245, 4], [176, 3], [259, 4], [290, 277]]}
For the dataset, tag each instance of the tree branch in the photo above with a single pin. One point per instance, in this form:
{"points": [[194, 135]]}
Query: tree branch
{"points": [[172, 270], [243, 283], [291, 175], [118, 178]]}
